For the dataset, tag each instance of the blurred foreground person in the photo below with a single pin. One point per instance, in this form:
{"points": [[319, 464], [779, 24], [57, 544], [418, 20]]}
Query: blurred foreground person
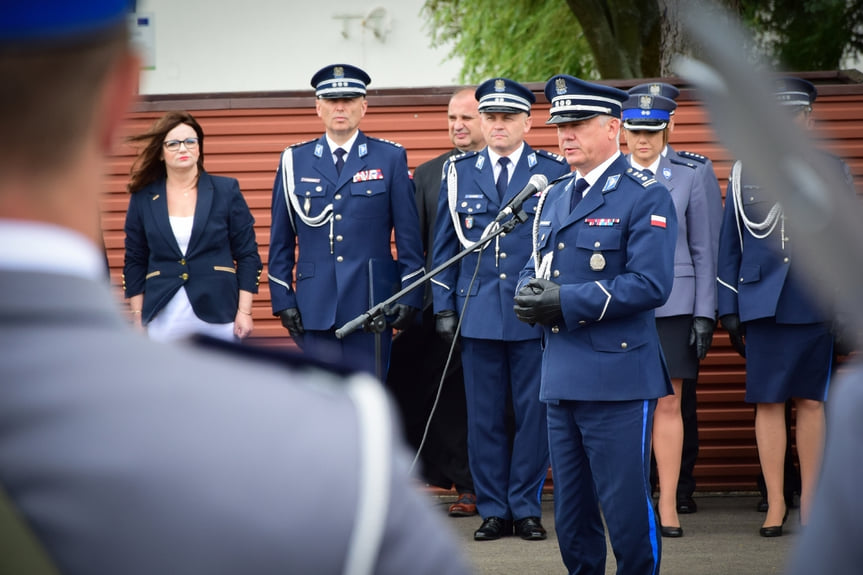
{"points": [[122, 455]]}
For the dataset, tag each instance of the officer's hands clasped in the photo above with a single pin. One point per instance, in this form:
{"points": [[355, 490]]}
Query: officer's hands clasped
{"points": [[538, 302], [736, 331], [701, 335]]}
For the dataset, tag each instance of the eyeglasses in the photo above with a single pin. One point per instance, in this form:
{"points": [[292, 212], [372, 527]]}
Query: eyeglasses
{"points": [[174, 145]]}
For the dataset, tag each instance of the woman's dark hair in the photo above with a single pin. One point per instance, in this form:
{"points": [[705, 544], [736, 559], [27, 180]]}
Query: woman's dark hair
{"points": [[149, 167]]}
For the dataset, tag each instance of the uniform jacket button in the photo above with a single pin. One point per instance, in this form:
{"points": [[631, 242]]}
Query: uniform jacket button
{"points": [[556, 273], [561, 245], [340, 259], [555, 329], [624, 345], [184, 276], [337, 197], [503, 276], [338, 217]]}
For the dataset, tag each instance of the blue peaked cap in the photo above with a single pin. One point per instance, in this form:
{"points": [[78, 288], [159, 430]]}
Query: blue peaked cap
{"points": [[340, 81], [794, 91], [574, 100], [31, 21], [656, 89], [504, 95], [647, 112]]}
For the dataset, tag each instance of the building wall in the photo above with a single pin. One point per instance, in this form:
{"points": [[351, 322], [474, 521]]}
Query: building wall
{"points": [[263, 45], [246, 134]]}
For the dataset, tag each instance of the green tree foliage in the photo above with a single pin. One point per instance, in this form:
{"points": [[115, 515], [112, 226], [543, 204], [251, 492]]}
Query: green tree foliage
{"points": [[810, 35], [531, 40], [526, 40]]}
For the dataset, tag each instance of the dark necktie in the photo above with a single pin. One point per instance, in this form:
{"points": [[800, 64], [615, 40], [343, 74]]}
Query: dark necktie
{"points": [[577, 193], [340, 159], [502, 177]]}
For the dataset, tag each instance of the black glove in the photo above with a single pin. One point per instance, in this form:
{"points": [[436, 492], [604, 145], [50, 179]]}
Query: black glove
{"points": [[701, 335], [844, 340], [445, 324], [538, 302], [293, 322], [403, 315], [736, 331]]}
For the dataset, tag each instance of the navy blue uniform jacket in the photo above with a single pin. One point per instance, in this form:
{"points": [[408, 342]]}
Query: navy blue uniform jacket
{"points": [[353, 216], [605, 347], [489, 313], [222, 257], [757, 277]]}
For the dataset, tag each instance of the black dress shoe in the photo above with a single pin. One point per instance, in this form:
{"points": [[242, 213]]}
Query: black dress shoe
{"points": [[774, 530], [493, 528], [686, 505], [671, 531], [530, 529]]}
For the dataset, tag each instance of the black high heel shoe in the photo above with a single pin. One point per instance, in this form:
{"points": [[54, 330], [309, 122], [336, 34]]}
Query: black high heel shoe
{"points": [[666, 531], [774, 530]]}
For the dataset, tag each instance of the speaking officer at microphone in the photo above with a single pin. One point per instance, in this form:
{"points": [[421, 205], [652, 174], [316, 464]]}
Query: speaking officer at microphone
{"points": [[339, 198], [604, 260], [500, 355]]}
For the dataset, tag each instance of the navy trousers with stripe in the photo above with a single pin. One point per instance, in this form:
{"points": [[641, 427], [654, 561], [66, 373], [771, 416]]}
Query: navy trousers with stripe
{"points": [[600, 460]]}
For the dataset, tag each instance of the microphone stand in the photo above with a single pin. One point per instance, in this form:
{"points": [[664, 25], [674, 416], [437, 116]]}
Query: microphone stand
{"points": [[373, 319]]}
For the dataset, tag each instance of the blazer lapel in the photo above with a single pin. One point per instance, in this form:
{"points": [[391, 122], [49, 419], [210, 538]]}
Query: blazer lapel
{"points": [[159, 212], [206, 193]]}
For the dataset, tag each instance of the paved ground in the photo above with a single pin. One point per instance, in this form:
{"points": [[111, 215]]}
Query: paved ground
{"points": [[721, 539]]}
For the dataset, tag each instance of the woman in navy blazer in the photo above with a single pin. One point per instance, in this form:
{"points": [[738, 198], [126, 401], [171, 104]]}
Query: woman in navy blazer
{"points": [[192, 263]]}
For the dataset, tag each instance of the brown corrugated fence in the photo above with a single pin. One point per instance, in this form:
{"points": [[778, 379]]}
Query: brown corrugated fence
{"points": [[245, 134]]}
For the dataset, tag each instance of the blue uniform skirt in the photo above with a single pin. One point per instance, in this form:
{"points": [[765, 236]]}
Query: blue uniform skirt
{"points": [[785, 361], [679, 355]]}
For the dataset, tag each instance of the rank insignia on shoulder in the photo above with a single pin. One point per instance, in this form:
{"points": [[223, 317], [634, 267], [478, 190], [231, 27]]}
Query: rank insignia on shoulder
{"points": [[640, 177], [396, 144], [552, 156], [693, 156], [298, 144]]}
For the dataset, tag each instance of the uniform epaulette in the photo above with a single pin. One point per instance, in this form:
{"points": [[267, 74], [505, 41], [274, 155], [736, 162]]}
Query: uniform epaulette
{"points": [[463, 155], [552, 156], [640, 177], [682, 161], [298, 144], [396, 144], [693, 156]]}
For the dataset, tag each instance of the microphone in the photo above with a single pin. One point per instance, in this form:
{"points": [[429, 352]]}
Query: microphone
{"points": [[537, 183]]}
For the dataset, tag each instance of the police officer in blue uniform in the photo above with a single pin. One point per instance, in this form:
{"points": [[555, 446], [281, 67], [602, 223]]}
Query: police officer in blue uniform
{"points": [[339, 198], [500, 355], [774, 321], [685, 322], [603, 261], [705, 185]]}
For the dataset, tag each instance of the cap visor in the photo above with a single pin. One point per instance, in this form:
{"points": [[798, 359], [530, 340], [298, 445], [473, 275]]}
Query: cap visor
{"points": [[638, 127], [340, 95], [570, 118], [502, 110]]}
